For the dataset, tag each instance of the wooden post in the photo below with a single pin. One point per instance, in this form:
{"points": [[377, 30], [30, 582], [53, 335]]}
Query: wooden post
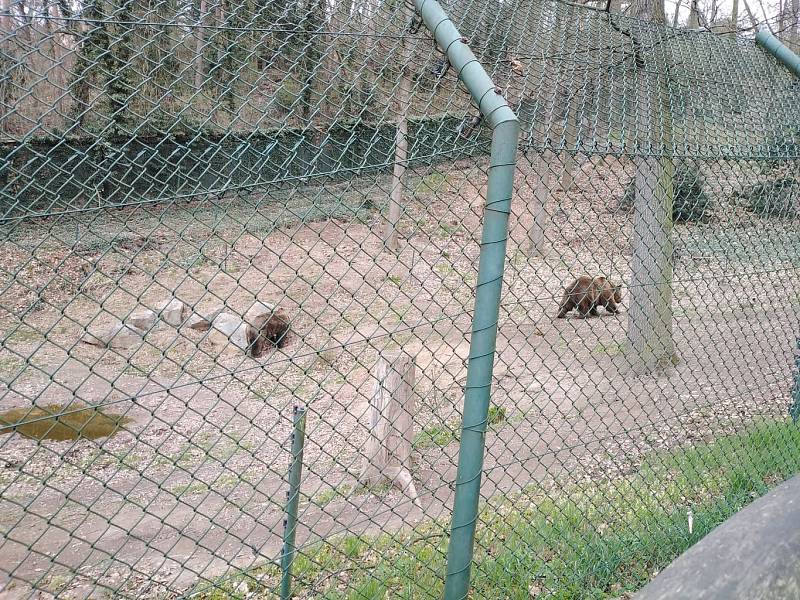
{"points": [[391, 410]]}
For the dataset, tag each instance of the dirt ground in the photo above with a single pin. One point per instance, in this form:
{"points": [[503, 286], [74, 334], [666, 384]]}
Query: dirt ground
{"points": [[195, 483]]}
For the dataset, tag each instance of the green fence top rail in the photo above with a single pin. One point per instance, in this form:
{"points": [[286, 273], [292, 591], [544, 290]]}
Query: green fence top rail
{"points": [[776, 48]]}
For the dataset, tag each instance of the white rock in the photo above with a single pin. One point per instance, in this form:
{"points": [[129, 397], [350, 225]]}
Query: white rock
{"points": [[142, 321], [118, 335], [258, 309], [233, 327], [195, 321], [175, 313], [242, 588]]}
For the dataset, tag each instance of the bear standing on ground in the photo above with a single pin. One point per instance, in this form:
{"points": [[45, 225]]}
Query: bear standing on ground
{"points": [[587, 293]]}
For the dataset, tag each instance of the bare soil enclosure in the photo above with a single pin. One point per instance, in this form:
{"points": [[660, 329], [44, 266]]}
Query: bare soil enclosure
{"points": [[180, 182], [194, 482]]}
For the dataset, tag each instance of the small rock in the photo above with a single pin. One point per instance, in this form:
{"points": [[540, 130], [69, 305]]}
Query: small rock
{"points": [[242, 588], [117, 336], [142, 321], [198, 323], [175, 313]]}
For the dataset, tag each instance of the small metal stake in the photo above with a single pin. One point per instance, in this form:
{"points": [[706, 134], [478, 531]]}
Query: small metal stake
{"points": [[292, 501]]}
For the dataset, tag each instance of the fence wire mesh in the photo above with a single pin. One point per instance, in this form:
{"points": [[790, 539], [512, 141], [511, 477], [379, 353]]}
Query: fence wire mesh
{"points": [[216, 214]]}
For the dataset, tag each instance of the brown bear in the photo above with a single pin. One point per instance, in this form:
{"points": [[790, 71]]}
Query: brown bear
{"points": [[267, 332], [587, 293]]}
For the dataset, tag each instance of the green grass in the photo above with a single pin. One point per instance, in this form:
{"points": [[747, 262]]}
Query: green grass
{"points": [[188, 489], [589, 541], [328, 495], [435, 435], [442, 435], [432, 182], [497, 415], [612, 349]]}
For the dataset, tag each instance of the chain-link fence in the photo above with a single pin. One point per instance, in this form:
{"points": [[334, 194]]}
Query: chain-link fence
{"points": [[240, 251]]}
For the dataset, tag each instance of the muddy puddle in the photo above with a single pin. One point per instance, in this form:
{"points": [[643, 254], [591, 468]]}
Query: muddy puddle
{"points": [[61, 422]]}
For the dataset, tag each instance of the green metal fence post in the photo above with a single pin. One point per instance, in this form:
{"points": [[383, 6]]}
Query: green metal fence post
{"points": [[774, 47], [505, 136], [292, 501]]}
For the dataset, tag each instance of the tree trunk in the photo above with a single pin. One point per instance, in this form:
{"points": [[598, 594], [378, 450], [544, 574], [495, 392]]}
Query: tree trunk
{"points": [[391, 424], [199, 36], [24, 29], [403, 96], [542, 168], [677, 13], [53, 26], [735, 17], [571, 101], [541, 196], [650, 342], [5, 18], [570, 139], [694, 16]]}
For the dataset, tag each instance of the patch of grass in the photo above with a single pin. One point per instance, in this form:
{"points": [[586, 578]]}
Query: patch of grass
{"points": [[448, 229], [287, 94], [444, 269], [328, 495], [497, 414], [432, 182], [395, 279], [134, 371], [345, 490], [612, 349], [22, 335], [596, 540], [188, 489], [327, 358], [11, 365], [436, 435], [399, 313], [442, 435]]}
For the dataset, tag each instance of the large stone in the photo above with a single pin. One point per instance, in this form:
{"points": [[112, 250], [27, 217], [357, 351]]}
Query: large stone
{"points": [[258, 310], [175, 313], [233, 328], [142, 321], [199, 323], [119, 335]]}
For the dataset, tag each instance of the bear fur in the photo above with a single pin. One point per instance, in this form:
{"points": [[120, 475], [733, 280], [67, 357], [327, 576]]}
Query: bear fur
{"points": [[587, 293], [267, 332]]}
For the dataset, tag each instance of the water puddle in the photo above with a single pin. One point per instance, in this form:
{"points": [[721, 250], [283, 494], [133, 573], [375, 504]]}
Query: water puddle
{"points": [[50, 422]]}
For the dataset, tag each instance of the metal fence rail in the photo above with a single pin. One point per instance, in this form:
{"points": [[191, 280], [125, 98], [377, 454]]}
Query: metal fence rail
{"points": [[247, 348]]}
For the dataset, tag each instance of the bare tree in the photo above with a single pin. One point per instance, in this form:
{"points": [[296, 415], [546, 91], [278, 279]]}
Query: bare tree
{"points": [[735, 17], [401, 140], [694, 15], [199, 35], [677, 13], [543, 165], [795, 27]]}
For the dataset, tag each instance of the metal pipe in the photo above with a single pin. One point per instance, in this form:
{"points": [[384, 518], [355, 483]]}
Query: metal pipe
{"points": [[774, 47], [505, 138], [292, 501]]}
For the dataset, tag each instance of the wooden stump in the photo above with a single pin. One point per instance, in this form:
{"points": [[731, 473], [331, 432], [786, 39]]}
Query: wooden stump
{"points": [[391, 424]]}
